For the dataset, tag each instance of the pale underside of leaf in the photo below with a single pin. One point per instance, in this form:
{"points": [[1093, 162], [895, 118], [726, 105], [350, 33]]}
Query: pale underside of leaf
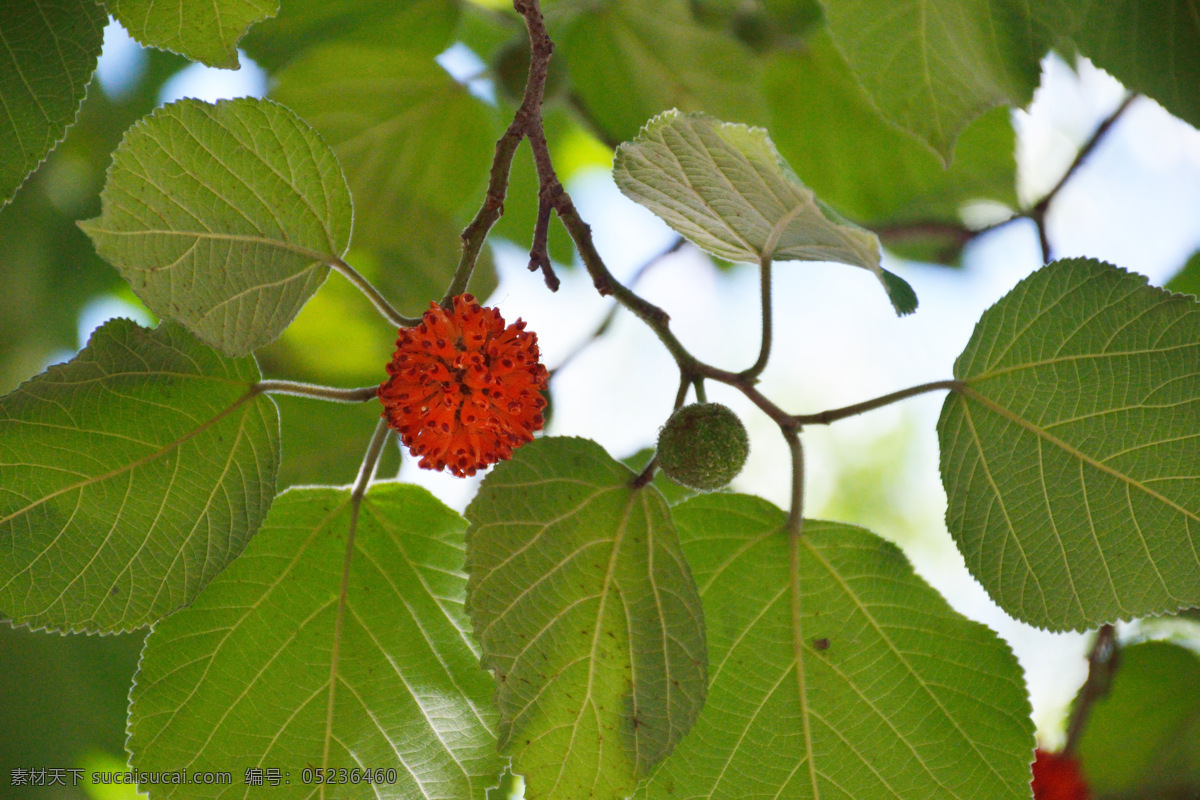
{"points": [[588, 619], [336, 641], [727, 189], [1070, 456], [131, 475], [224, 217], [837, 673]]}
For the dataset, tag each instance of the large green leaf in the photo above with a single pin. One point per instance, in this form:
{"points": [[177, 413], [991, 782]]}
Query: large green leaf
{"points": [[405, 131], [1153, 48], [865, 167], [203, 30], [931, 66], [294, 658], [1069, 457], [588, 618], [224, 217], [1143, 738], [837, 672], [129, 477], [425, 26], [726, 188], [630, 60], [48, 52]]}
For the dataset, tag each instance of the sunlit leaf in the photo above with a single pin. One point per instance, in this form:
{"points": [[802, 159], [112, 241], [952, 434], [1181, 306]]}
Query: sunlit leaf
{"points": [[630, 60], [1143, 738], [837, 672], [405, 131], [865, 167], [931, 66], [224, 217], [726, 188], [48, 54], [203, 30], [129, 477], [425, 26], [1070, 456], [273, 666], [1153, 48], [588, 619]]}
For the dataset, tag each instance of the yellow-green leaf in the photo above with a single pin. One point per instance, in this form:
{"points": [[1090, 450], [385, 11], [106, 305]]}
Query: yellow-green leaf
{"points": [[588, 618], [203, 30], [129, 477]]}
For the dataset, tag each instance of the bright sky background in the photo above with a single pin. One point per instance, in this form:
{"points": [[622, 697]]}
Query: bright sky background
{"points": [[1134, 203]]}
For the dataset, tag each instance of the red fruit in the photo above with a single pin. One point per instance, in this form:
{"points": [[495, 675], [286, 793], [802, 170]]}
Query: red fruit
{"points": [[463, 389], [1057, 777]]}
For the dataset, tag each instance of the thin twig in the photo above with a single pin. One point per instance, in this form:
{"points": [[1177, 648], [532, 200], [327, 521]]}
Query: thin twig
{"points": [[377, 299], [834, 414], [764, 353], [1038, 212], [335, 394], [1103, 661], [795, 520], [527, 118]]}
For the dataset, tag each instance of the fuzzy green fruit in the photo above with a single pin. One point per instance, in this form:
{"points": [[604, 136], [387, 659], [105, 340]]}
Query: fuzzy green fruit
{"points": [[703, 446]]}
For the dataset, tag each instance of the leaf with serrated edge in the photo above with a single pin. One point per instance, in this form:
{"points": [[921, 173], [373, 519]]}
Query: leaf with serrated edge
{"points": [[129, 477], [1070, 456], [1152, 48], [726, 188], [224, 217], [837, 672], [932, 66], [203, 30], [588, 618], [49, 52], [273, 667]]}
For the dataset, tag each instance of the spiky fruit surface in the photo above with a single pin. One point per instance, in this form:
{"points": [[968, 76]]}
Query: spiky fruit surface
{"points": [[703, 446]]}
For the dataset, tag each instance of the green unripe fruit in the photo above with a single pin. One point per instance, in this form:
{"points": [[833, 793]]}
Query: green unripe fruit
{"points": [[703, 446]]}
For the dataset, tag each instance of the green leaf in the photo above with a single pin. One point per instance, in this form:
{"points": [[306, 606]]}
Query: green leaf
{"points": [[726, 188], [1152, 48], [588, 619], [294, 658], [932, 66], [630, 60], [866, 168], [48, 52], [1187, 280], [203, 30], [837, 672], [131, 476], [424, 26], [1143, 738], [1069, 457], [224, 217], [405, 132]]}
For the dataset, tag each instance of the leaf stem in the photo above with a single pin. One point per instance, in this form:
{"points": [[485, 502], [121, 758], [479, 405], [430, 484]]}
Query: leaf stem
{"points": [[764, 353], [374, 295], [1103, 661], [834, 414], [795, 520], [365, 473], [332, 393]]}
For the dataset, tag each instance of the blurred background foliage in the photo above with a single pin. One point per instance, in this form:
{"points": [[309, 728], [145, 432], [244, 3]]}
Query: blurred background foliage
{"points": [[412, 97]]}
